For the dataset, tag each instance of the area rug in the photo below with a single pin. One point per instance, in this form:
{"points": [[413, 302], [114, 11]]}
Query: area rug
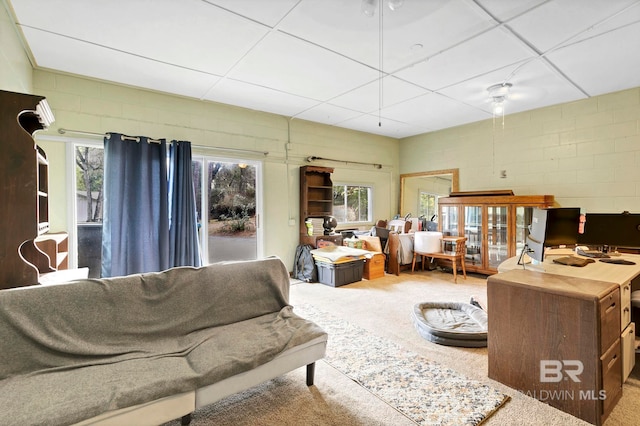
{"points": [[422, 390]]}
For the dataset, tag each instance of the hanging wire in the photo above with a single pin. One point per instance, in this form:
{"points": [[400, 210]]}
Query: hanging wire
{"points": [[380, 62]]}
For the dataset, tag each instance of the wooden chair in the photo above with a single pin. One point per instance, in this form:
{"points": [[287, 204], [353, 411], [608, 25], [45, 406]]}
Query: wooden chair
{"points": [[458, 254]]}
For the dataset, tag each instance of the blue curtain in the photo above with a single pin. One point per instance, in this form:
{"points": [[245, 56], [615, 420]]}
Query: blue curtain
{"points": [[150, 219], [184, 249], [135, 231]]}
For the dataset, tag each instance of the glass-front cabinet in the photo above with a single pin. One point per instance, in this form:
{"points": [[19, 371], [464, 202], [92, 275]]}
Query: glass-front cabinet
{"points": [[497, 235], [473, 231], [495, 225]]}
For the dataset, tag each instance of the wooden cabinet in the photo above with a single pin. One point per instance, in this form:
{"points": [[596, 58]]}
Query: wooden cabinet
{"points": [[24, 203], [316, 195], [495, 225], [557, 339], [56, 247]]}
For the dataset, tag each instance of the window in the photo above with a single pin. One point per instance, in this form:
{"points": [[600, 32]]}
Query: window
{"points": [[89, 160], [351, 203], [428, 205]]}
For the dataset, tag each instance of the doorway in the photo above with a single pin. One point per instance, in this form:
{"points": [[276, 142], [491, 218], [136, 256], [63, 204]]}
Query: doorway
{"points": [[228, 198]]}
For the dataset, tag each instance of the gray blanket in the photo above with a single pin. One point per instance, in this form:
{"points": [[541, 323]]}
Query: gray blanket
{"points": [[73, 351]]}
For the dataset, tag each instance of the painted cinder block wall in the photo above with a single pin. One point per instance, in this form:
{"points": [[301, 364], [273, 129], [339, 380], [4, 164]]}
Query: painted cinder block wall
{"points": [[586, 153], [98, 106]]}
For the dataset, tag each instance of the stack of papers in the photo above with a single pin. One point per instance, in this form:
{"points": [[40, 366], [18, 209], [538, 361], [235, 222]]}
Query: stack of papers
{"points": [[340, 254]]}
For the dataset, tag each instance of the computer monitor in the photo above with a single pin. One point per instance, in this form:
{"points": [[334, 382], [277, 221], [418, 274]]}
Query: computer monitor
{"points": [[611, 229], [551, 227]]}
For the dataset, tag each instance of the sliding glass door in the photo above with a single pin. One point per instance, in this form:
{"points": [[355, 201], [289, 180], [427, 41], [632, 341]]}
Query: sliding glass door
{"points": [[227, 194]]}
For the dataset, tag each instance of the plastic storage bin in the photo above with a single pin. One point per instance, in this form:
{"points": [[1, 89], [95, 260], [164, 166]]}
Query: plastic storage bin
{"points": [[337, 274]]}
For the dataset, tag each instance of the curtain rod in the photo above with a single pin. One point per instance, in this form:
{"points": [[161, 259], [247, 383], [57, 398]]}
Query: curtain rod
{"points": [[314, 158], [101, 135]]}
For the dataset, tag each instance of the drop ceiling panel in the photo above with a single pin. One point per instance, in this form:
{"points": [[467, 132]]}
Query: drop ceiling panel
{"points": [[489, 51], [72, 56], [267, 12], [189, 33], [367, 98], [320, 59], [557, 22], [434, 111], [328, 114], [535, 85], [294, 66], [260, 98], [601, 65], [506, 10], [340, 26], [369, 123]]}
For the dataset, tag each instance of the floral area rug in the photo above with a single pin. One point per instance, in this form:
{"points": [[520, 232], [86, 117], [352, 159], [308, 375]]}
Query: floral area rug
{"points": [[424, 391]]}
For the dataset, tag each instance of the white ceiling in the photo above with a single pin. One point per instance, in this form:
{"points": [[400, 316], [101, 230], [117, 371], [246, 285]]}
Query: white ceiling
{"points": [[319, 60]]}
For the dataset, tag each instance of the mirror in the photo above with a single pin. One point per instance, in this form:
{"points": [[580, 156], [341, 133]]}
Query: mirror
{"points": [[438, 182]]}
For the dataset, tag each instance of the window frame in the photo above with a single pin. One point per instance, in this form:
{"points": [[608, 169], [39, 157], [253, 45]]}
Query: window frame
{"points": [[204, 158], [370, 190]]}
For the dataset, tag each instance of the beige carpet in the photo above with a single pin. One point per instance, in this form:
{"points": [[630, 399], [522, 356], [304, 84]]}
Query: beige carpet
{"points": [[383, 306]]}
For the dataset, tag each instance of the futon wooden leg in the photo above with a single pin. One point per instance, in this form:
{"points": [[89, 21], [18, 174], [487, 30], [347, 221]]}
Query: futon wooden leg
{"points": [[311, 370], [185, 420]]}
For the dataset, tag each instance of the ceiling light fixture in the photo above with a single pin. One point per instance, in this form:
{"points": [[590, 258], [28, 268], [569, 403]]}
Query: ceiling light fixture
{"points": [[498, 95]]}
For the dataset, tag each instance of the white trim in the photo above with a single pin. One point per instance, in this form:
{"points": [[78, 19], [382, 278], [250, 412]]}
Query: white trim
{"points": [[259, 199]]}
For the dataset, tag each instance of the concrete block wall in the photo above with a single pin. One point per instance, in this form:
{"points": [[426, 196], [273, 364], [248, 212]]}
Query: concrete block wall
{"points": [[586, 153], [97, 106]]}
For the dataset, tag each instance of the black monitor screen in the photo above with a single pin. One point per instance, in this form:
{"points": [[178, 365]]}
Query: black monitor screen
{"points": [[613, 229], [555, 226]]}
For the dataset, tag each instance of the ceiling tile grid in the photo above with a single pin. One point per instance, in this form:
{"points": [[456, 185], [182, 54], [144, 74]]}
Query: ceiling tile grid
{"points": [[420, 68]]}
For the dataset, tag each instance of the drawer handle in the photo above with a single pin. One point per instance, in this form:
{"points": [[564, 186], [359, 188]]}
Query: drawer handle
{"points": [[610, 308], [613, 361]]}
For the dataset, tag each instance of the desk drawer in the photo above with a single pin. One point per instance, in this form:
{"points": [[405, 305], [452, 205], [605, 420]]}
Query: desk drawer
{"points": [[609, 319], [628, 348], [625, 305], [611, 367]]}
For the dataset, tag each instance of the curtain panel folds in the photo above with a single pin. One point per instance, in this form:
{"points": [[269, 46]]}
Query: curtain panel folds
{"points": [[137, 234], [184, 249]]}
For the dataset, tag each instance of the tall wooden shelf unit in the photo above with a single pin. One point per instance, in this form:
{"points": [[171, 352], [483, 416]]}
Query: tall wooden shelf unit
{"points": [[495, 225], [316, 201], [24, 192]]}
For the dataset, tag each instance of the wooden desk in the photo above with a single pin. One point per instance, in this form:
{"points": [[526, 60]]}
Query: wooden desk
{"points": [[547, 312], [557, 339], [623, 275]]}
